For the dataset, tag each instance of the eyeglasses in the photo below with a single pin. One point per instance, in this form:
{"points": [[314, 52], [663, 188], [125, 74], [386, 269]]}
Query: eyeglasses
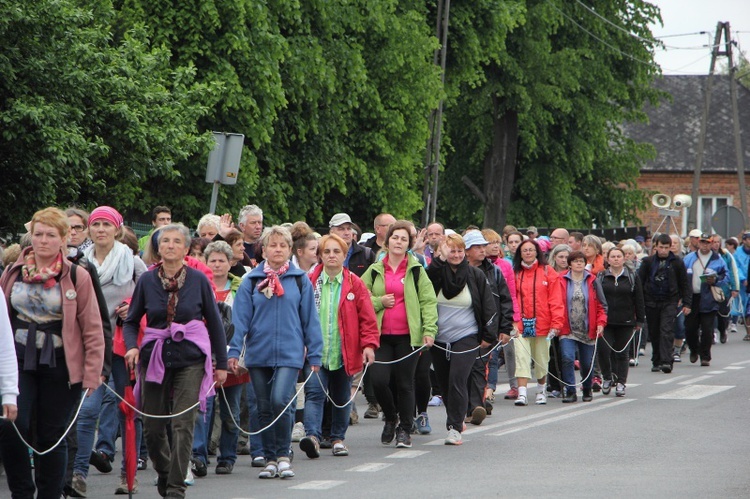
{"points": [[77, 228]]}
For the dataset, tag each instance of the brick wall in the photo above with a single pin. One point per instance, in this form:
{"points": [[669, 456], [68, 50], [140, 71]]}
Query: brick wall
{"points": [[712, 184]]}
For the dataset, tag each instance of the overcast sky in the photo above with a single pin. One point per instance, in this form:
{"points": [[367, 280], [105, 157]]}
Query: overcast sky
{"points": [[691, 16]]}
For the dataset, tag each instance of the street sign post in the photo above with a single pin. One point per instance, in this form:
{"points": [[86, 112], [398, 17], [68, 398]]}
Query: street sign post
{"points": [[224, 162]]}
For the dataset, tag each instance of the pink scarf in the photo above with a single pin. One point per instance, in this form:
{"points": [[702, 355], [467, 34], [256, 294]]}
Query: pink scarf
{"points": [[33, 275], [272, 283]]}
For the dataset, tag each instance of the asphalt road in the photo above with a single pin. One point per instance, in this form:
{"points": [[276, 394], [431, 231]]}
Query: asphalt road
{"points": [[684, 434]]}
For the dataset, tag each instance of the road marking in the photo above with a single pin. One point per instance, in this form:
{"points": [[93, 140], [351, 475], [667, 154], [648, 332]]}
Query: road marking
{"points": [[695, 380], [715, 372], [562, 417], [742, 363], [407, 454], [510, 422], [370, 467], [692, 392], [318, 485], [672, 380], [734, 368]]}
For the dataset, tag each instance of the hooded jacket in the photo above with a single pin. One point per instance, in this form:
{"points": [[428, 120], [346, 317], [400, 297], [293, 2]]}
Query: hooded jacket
{"points": [[716, 264], [550, 305]]}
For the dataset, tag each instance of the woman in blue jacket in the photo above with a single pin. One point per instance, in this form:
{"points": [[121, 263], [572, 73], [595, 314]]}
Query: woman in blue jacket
{"points": [[274, 315]]}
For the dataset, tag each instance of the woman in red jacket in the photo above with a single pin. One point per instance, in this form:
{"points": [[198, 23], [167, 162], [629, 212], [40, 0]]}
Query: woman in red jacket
{"points": [[585, 318], [541, 306], [350, 337]]}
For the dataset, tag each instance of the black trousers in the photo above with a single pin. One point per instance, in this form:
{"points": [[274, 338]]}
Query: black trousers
{"points": [[699, 330], [477, 378], [660, 318], [422, 383], [393, 347], [615, 365], [453, 372]]}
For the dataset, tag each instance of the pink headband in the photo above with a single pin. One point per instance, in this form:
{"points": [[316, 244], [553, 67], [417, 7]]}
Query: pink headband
{"points": [[106, 213]]}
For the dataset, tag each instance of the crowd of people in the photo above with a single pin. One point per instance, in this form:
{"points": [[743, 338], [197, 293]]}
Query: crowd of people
{"points": [[235, 330]]}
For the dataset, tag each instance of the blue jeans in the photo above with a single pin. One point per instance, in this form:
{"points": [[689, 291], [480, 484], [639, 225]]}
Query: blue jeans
{"points": [[86, 429], [108, 423], [339, 386], [201, 434], [274, 388], [256, 441], [568, 349], [229, 431]]}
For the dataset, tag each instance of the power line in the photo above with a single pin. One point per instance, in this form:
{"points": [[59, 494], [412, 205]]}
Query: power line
{"points": [[683, 34]]}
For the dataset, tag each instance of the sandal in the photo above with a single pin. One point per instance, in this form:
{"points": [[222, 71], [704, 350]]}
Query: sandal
{"points": [[285, 468], [270, 471], [339, 449]]}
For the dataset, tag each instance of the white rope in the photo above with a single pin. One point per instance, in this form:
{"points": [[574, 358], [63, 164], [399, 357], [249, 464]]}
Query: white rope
{"points": [[155, 416], [328, 396], [65, 434], [591, 369], [635, 331], [388, 362]]}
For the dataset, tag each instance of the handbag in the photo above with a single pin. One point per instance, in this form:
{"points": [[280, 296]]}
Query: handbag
{"points": [[718, 294]]}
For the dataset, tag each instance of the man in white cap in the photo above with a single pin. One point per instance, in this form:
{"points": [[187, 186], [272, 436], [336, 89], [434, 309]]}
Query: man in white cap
{"points": [[359, 257], [694, 237]]}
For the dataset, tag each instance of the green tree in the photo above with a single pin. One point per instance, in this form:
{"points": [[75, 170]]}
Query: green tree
{"points": [[84, 119]]}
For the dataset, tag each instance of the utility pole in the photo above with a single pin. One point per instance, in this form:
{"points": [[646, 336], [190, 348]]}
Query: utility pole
{"points": [[722, 29]]}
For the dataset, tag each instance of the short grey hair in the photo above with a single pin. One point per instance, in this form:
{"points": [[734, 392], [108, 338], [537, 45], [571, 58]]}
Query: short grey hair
{"points": [[178, 227], [250, 210], [593, 241], [276, 230], [210, 220], [219, 247]]}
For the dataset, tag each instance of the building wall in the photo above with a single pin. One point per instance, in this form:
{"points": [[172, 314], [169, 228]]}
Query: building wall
{"points": [[711, 185]]}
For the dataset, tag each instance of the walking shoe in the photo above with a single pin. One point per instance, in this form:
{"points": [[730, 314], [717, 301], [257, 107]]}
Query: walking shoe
{"points": [[224, 468], [478, 415], [325, 442], [693, 358], [423, 424], [723, 337], [403, 439], [142, 463], [270, 471], [732, 328], [633, 362], [372, 411], [339, 449], [243, 449], [570, 397], [78, 486], [389, 432], [310, 446], [453, 438], [606, 386], [199, 467], [705, 363], [511, 394], [353, 416], [122, 489], [555, 394], [189, 477], [641, 352], [747, 337], [298, 431], [541, 398], [655, 368], [666, 368], [587, 397], [435, 401], [259, 462], [100, 461], [620, 390], [488, 406], [596, 383], [285, 468], [676, 355], [521, 400]]}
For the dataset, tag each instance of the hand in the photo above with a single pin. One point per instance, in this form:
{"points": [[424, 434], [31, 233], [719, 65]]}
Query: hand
{"points": [[443, 250], [599, 331], [485, 345], [711, 280], [233, 364], [220, 376], [552, 333], [10, 412], [122, 310], [388, 300], [131, 358], [686, 310], [428, 341], [420, 242], [368, 356], [504, 338], [315, 369], [225, 224], [735, 294]]}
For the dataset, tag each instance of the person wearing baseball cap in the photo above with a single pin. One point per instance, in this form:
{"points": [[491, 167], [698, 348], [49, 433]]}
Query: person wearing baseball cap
{"points": [[359, 258], [693, 237]]}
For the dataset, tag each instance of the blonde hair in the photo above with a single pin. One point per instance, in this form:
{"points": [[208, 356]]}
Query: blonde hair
{"points": [[53, 217], [456, 241]]}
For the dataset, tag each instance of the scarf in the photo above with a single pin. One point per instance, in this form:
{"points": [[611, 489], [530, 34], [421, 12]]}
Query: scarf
{"points": [[33, 275], [454, 282], [172, 286], [271, 285], [118, 266]]}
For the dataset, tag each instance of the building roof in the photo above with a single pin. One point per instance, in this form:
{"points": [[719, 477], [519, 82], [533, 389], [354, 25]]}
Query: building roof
{"points": [[674, 127]]}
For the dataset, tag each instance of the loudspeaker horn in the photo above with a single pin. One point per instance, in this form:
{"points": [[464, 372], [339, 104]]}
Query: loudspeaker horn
{"points": [[661, 200]]}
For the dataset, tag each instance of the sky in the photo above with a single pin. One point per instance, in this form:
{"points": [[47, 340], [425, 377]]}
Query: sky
{"points": [[692, 16]]}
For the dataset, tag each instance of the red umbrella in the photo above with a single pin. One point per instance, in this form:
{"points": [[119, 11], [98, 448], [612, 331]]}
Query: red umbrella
{"points": [[131, 453]]}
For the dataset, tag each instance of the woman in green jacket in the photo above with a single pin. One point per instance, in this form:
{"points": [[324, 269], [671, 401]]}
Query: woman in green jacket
{"points": [[406, 308]]}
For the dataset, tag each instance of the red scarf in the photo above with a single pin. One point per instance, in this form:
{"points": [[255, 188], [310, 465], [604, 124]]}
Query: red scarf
{"points": [[33, 275], [272, 281]]}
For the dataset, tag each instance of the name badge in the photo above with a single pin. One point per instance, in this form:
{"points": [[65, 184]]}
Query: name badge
{"points": [[350, 297], [70, 294]]}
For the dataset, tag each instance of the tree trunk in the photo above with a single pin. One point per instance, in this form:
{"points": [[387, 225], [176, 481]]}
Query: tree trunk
{"points": [[500, 166]]}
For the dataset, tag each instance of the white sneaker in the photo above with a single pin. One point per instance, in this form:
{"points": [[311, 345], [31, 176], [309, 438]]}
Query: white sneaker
{"points": [[521, 400], [453, 438], [189, 478], [298, 432], [541, 398], [620, 390], [732, 328]]}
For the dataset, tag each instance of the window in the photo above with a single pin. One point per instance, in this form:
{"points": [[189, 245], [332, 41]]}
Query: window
{"points": [[707, 206]]}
